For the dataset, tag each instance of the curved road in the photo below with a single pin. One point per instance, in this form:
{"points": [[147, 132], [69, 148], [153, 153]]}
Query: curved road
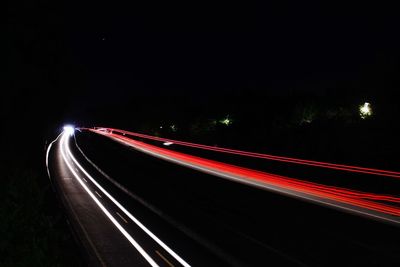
{"points": [[135, 203]]}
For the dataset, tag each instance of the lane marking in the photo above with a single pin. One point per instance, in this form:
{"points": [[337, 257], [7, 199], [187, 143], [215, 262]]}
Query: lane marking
{"points": [[102, 263], [98, 194], [184, 229], [243, 179], [127, 213], [84, 179], [121, 217], [105, 211], [165, 259]]}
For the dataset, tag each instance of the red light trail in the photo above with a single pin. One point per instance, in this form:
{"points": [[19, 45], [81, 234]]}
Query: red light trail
{"points": [[340, 167], [379, 206]]}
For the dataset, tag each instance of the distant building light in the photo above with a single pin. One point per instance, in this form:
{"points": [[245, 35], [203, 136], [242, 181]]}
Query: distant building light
{"points": [[365, 110], [227, 121]]}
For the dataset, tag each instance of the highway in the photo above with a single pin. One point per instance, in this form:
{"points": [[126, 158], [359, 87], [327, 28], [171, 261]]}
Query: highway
{"points": [[138, 200], [113, 235]]}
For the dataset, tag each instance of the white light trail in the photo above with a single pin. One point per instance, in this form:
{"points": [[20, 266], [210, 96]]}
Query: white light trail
{"points": [[48, 152], [105, 211], [127, 213]]}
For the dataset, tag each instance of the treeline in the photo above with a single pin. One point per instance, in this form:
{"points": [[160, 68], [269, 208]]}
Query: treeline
{"points": [[318, 125]]}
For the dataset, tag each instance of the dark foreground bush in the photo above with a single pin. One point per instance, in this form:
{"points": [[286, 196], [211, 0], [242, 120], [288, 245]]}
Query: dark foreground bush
{"points": [[33, 231]]}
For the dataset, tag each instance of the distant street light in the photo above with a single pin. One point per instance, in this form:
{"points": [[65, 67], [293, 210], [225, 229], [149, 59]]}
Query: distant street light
{"points": [[226, 121], [365, 110]]}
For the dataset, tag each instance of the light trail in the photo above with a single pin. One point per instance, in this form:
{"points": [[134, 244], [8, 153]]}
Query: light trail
{"points": [[360, 202], [341, 167], [65, 146], [101, 206], [47, 154]]}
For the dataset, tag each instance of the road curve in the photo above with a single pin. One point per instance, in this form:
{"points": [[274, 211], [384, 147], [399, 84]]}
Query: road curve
{"points": [[377, 206], [112, 235], [116, 232]]}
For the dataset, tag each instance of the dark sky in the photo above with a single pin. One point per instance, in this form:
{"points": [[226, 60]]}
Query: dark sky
{"points": [[71, 60], [168, 45], [176, 49]]}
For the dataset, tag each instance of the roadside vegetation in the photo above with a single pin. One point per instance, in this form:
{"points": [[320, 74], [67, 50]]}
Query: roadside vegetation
{"points": [[33, 229]]}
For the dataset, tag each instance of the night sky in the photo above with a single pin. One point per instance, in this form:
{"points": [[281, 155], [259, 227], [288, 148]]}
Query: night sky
{"points": [[290, 77], [98, 62]]}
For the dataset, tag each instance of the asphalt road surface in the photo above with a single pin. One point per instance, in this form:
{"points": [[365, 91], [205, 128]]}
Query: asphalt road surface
{"points": [[131, 208]]}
